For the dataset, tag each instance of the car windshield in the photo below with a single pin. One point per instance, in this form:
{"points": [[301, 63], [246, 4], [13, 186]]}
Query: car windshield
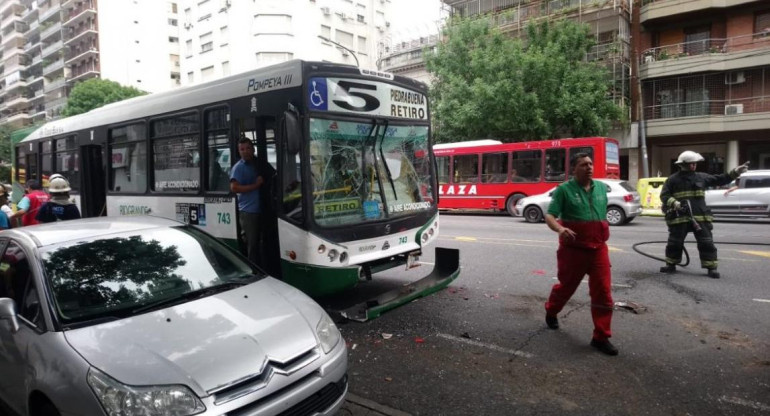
{"points": [[366, 171], [119, 275]]}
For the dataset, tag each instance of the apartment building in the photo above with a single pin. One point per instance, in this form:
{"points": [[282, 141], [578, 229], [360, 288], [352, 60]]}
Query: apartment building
{"points": [[609, 20], [220, 37], [704, 67], [48, 46]]}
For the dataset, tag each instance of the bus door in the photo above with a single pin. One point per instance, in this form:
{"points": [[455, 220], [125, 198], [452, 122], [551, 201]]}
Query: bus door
{"points": [[93, 197], [261, 132]]}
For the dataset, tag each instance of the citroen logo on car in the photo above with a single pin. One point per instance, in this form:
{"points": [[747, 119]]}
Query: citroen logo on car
{"points": [[386, 246]]}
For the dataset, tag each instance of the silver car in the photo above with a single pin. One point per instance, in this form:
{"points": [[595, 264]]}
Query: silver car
{"points": [[623, 203], [747, 196], [147, 316]]}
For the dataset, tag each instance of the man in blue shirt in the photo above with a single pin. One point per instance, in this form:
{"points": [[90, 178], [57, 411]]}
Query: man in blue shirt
{"points": [[245, 180]]}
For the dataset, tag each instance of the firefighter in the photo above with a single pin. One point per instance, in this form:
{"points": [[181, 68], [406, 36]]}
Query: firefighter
{"points": [[684, 201]]}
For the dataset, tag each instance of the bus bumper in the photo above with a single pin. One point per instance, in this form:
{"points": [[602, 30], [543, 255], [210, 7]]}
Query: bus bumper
{"points": [[446, 269]]}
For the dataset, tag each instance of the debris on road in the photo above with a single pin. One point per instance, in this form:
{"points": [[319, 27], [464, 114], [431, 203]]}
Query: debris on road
{"points": [[631, 306]]}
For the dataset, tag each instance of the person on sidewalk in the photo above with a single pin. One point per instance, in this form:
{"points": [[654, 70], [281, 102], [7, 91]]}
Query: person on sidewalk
{"points": [[578, 213], [687, 188]]}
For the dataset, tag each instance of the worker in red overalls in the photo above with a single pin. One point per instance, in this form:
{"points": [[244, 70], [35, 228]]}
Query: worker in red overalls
{"points": [[580, 205], [31, 202]]}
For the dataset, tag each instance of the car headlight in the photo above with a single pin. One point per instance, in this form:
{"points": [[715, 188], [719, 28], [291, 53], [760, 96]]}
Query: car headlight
{"points": [[121, 400], [328, 334]]}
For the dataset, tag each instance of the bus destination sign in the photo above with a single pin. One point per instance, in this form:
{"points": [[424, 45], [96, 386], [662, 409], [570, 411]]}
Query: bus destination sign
{"points": [[364, 96]]}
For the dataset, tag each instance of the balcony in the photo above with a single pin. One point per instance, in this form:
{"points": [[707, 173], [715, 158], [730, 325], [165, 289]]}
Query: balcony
{"points": [[50, 49], [30, 14], [16, 102], [84, 72], [54, 85], [54, 104], [80, 55], [716, 54], [51, 12], [10, 19], [15, 119], [657, 9], [32, 29], [74, 17], [82, 35], [53, 67], [15, 37], [52, 30], [13, 6]]}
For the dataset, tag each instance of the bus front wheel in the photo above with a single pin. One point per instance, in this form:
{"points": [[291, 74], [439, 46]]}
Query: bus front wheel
{"points": [[510, 204]]}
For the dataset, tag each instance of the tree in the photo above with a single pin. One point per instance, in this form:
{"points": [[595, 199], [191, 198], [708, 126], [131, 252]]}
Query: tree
{"points": [[95, 93], [5, 153], [489, 85]]}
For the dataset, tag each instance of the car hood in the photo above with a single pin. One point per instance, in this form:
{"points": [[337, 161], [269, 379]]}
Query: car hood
{"points": [[206, 343]]}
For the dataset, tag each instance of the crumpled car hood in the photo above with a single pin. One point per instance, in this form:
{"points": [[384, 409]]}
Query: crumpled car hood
{"points": [[205, 343]]}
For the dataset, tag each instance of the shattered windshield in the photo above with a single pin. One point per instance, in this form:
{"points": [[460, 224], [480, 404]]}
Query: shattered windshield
{"points": [[367, 171]]}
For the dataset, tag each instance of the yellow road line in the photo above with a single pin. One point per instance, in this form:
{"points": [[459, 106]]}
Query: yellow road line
{"points": [[756, 253]]}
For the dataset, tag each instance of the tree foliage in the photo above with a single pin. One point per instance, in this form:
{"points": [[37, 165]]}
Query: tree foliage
{"points": [[95, 93], [489, 85], [5, 153]]}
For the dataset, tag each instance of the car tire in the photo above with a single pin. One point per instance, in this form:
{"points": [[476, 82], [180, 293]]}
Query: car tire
{"points": [[616, 216], [533, 214], [510, 203]]}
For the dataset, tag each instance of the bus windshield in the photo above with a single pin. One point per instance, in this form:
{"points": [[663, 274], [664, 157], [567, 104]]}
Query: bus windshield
{"points": [[365, 172]]}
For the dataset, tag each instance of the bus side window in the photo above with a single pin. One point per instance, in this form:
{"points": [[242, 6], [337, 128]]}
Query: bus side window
{"points": [[218, 151], [442, 169], [526, 166], [466, 169], [555, 165], [494, 168]]}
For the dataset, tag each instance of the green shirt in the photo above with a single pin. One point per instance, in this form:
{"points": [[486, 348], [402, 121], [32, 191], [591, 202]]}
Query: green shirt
{"points": [[571, 202]]}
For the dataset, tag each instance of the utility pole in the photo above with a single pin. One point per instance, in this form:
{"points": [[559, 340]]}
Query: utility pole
{"points": [[324, 38]]}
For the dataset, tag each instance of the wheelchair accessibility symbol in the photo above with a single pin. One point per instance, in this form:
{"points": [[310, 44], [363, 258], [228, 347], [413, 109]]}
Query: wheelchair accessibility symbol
{"points": [[317, 93]]}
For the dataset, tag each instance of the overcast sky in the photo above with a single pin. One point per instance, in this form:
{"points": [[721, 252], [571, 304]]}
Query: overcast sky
{"points": [[414, 18]]}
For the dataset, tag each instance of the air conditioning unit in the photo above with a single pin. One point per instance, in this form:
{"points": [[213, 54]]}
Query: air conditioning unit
{"points": [[649, 58], [343, 16], [737, 77], [387, 24], [731, 109], [344, 52], [326, 11]]}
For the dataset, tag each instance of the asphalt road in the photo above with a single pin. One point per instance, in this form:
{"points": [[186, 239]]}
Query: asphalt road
{"points": [[697, 346]]}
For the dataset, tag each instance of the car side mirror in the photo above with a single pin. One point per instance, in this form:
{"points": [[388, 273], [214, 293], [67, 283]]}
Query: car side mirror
{"points": [[293, 131], [8, 313]]}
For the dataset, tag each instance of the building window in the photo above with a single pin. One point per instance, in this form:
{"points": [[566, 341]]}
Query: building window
{"points": [[326, 31], [344, 38], [188, 48], [226, 68], [362, 46], [172, 22], [272, 23], [206, 42], [762, 23], [360, 18], [172, 39], [269, 58], [207, 73], [190, 77], [173, 7]]}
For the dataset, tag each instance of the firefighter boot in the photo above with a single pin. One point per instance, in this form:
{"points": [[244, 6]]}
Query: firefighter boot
{"points": [[713, 273], [668, 268]]}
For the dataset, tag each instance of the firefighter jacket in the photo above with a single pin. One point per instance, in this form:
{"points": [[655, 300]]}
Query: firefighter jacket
{"points": [[690, 186]]}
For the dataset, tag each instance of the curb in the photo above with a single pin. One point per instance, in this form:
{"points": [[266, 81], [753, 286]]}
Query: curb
{"points": [[385, 410]]}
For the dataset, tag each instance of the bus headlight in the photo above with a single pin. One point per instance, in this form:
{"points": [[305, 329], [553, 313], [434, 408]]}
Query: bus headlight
{"points": [[425, 237], [321, 249], [343, 256], [332, 254]]}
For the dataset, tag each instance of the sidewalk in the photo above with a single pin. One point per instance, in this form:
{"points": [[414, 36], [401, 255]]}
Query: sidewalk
{"points": [[358, 406]]}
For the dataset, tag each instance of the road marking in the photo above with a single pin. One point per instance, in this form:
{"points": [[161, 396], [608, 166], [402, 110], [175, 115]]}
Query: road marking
{"points": [[488, 346], [615, 249], [762, 300], [756, 253], [747, 403], [465, 239]]}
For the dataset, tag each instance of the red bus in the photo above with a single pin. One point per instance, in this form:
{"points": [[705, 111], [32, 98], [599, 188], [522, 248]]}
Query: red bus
{"points": [[490, 175]]}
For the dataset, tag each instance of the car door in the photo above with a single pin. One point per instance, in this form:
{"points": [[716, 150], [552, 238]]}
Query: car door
{"points": [[18, 284], [754, 196], [724, 201]]}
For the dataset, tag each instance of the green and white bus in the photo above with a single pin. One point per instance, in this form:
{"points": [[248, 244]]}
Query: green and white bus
{"points": [[346, 154]]}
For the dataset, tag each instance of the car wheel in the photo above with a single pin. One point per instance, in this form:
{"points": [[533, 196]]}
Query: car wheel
{"points": [[510, 203], [533, 214], [616, 216]]}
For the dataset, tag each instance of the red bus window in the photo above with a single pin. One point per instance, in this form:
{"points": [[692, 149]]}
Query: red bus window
{"points": [[443, 169], [466, 169], [494, 168], [555, 165], [526, 166]]}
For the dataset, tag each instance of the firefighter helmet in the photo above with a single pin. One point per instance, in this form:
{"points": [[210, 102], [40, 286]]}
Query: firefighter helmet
{"points": [[59, 185], [688, 156]]}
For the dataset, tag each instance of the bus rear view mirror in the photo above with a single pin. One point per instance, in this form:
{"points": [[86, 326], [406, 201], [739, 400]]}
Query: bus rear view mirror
{"points": [[293, 131]]}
